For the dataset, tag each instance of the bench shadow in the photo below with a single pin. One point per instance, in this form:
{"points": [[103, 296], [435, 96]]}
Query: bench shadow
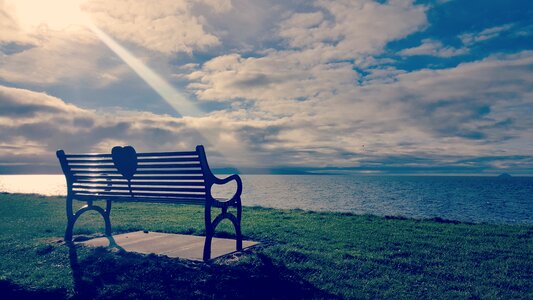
{"points": [[10, 290], [126, 275]]}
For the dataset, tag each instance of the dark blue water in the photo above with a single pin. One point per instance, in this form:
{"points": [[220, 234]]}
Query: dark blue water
{"points": [[471, 199]]}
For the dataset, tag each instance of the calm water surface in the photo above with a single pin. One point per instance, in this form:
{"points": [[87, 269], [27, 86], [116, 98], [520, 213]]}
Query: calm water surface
{"points": [[474, 199]]}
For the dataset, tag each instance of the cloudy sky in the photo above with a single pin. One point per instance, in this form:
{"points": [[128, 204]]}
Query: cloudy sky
{"points": [[398, 86]]}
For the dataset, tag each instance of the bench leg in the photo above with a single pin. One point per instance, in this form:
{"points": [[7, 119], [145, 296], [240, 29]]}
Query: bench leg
{"points": [[107, 219], [209, 232], [68, 231], [207, 247], [210, 227], [72, 217], [70, 221], [238, 226]]}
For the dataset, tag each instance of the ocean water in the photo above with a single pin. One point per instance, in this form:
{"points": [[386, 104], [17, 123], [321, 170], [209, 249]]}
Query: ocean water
{"points": [[463, 198]]}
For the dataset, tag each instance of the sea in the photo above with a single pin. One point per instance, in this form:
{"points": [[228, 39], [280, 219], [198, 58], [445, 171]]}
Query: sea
{"points": [[479, 199]]}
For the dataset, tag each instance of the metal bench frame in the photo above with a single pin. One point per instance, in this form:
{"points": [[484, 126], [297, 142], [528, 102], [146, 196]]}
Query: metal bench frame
{"points": [[94, 176]]}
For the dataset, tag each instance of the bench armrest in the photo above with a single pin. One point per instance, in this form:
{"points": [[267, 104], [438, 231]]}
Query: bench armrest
{"points": [[237, 179], [211, 179]]}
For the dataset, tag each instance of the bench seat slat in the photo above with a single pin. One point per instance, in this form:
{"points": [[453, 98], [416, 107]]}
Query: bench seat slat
{"points": [[88, 155], [176, 196], [139, 177], [160, 200], [158, 172], [96, 172], [89, 161], [93, 166], [136, 188], [136, 183], [139, 188], [140, 199], [158, 154], [145, 172], [140, 166], [98, 176], [168, 166], [168, 159]]}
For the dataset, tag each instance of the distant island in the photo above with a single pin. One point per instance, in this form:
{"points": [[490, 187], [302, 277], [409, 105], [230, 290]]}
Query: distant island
{"points": [[505, 175]]}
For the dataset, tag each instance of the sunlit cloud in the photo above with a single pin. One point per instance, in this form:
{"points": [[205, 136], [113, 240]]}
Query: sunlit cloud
{"points": [[54, 14]]}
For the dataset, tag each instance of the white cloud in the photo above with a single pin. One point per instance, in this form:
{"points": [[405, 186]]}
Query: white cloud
{"points": [[471, 38], [44, 56], [61, 57], [218, 6], [352, 28], [10, 31], [279, 76], [433, 48], [168, 27]]}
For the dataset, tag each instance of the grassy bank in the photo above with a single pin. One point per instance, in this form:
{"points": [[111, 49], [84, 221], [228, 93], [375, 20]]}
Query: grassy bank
{"points": [[303, 254]]}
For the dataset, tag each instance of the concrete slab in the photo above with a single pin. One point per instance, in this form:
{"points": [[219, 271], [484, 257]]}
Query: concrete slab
{"points": [[169, 244]]}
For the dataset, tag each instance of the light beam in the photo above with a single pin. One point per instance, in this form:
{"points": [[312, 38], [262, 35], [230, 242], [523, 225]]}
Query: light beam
{"points": [[177, 100]]}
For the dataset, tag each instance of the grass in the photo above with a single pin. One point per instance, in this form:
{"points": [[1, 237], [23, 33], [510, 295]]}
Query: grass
{"points": [[303, 255]]}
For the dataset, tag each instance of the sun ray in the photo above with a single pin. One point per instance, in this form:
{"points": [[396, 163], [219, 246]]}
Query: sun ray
{"points": [[174, 98]]}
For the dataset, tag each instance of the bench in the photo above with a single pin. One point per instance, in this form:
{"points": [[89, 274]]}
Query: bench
{"points": [[161, 177]]}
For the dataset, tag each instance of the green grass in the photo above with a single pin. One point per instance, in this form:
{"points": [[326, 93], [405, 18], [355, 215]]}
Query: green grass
{"points": [[302, 255]]}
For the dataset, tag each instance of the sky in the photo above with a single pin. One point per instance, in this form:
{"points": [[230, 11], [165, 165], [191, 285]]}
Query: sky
{"points": [[351, 87]]}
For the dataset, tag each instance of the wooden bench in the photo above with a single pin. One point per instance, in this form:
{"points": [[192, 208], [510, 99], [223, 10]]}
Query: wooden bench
{"points": [[167, 177]]}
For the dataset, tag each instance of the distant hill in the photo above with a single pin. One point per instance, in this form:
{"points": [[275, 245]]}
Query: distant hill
{"points": [[505, 175]]}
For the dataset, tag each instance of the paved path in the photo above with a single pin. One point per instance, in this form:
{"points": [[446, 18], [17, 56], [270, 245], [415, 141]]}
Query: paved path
{"points": [[172, 245]]}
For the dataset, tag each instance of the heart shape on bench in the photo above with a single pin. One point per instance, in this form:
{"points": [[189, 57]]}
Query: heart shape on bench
{"points": [[125, 160]]}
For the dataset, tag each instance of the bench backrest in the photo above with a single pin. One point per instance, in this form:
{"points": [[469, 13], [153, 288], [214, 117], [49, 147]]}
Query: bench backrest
{"points": [[177, 177]]}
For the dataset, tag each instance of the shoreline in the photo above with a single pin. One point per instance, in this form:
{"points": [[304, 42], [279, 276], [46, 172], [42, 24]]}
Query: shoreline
{"points": [[436, 219]]}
